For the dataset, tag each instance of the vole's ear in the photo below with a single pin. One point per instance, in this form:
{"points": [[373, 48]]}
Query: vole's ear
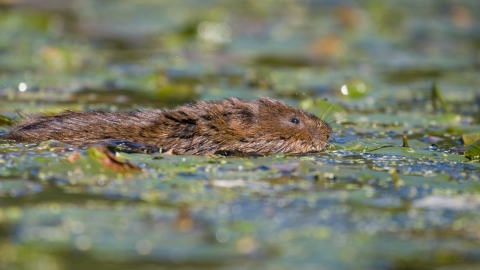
{"points": [[270, 103], [237, 102], [235, 99], [267, 100]]}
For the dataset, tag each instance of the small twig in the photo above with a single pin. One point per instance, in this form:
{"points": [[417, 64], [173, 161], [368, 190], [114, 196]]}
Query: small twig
{"points": [[395, 178], [405, 140]]}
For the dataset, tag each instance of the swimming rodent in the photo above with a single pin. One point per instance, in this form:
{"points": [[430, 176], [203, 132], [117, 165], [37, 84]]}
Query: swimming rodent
{"points": [[231, 125]]}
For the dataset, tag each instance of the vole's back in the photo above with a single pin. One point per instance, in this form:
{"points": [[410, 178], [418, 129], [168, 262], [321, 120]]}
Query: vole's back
{"points": [[80, 128]]}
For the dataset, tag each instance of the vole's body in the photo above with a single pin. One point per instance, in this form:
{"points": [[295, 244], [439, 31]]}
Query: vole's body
{"points": [[265, 126]]}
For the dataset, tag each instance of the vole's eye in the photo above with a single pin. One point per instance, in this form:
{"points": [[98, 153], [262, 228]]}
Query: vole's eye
{"points": [[328, 137], [295, 120]]}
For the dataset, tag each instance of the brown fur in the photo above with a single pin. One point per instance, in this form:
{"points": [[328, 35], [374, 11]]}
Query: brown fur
{"points": [[266, 126]]}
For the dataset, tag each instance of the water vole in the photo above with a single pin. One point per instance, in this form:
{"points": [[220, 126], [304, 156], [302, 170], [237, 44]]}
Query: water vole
{"points": [[265, 126]]}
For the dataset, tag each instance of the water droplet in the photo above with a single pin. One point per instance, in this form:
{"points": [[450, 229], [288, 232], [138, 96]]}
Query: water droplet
{"points": [[22, 87]]}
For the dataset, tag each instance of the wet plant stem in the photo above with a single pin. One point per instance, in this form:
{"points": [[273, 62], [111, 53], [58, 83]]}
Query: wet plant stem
{"points": [[436, 95], [405, 140]]}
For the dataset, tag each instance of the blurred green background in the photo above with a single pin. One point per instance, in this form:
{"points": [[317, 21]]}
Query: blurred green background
{"points": [[162, 53]]}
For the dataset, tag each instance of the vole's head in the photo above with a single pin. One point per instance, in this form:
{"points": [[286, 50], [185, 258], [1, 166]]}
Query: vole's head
{"points": [[283, 128], [266, 126]]}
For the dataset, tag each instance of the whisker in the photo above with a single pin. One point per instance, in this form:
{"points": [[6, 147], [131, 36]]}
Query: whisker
{"points": [[326, 111]]}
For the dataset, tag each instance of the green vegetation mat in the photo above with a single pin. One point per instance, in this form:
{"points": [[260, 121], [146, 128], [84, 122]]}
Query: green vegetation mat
{"points": [[398, 187]]}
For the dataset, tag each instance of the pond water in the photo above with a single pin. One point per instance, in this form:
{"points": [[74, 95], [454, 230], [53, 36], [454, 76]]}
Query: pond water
{"points": [[376, 70]]}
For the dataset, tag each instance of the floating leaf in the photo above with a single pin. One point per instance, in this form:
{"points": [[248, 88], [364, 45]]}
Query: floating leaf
{"points": [[473, 151], [468, 139], [362, 145], [417, 153], [97, 166], [463, 129], [109, 160], [5, 121]]}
